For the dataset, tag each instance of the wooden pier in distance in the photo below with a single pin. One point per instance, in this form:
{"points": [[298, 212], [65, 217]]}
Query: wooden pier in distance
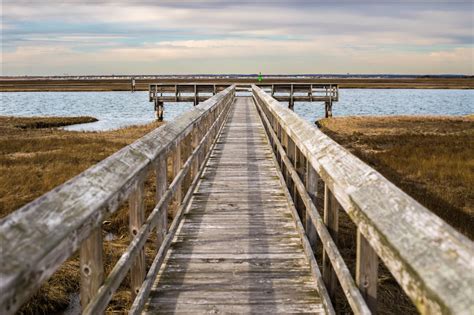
{"points": [[283, 92], [235, 224]]}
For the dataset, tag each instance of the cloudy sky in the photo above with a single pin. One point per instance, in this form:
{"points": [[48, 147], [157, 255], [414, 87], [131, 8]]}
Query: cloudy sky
{"points": [[52, 37]]}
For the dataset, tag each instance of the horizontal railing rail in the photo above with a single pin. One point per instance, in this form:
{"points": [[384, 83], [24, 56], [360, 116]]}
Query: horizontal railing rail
{"points": [[431, 261], [37, 238]]}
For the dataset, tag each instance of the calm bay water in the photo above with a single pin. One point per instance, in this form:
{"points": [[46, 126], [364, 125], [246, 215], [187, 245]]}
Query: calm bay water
{"points": [[119, 109]]}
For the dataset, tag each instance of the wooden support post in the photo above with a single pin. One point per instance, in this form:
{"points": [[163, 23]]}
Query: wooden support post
{"points": [[311, 93], [300, 165], [278, 132], [196, 100], [331, 219], [194, 143], [199, 136], [176, 157], [290, 152], [159, 109], [175, 92], [284, 143], [328, 109], [291, 105], [186, 150], [136, 219], [92, 266], [312, 179], [161, 186], [367, 271]]}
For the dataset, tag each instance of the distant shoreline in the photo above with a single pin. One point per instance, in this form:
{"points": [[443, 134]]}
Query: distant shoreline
{"points": [[106, 83]]}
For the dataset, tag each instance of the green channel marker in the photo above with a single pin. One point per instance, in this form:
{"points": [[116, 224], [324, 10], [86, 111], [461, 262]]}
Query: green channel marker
{"points": [[260, 77]]}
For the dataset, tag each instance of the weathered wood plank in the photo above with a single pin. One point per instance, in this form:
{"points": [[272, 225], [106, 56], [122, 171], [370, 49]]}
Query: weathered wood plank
{"points": [[331, 219], [92, 266], [139, 301], [40, 236], [367, 271], [424, 254], [161, 176], [237, 233], [136, 219], [352, 293], [312, 189]]}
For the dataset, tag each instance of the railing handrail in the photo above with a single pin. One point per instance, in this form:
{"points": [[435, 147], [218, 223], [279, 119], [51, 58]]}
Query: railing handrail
{"points": [[431, 261], [37, 238]]}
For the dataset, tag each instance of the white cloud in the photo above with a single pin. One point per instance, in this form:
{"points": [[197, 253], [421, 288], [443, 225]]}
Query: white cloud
{"points": [[236, 37], [229, 56]]}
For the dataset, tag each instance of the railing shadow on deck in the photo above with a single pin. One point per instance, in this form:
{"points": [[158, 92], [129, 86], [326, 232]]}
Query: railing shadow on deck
{"points": [[37, 238], [432, 262]]}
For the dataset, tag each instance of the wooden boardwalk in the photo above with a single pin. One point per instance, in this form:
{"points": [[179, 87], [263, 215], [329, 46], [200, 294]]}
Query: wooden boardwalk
{"points": [[237, 244], [237, 248]]}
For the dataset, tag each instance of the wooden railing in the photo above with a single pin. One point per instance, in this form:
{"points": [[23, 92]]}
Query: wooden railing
{"points": [[39, 237], [433, 263]]}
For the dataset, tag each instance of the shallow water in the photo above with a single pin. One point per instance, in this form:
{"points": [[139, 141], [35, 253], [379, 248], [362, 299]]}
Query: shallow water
{"points": [[119, 109], [113, 109], [362, 102]]}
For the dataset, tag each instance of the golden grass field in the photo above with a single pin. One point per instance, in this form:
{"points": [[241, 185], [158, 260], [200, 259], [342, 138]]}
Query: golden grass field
{"points": [[430, 158], [33, 160]]}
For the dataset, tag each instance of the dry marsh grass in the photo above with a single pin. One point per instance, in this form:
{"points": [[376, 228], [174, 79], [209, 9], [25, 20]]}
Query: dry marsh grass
{"points": [[430, 158], [34, 159]]}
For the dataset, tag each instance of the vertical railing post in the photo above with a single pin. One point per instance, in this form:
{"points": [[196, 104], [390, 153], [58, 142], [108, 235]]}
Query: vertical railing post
{"points": [[331, 219], [284, 143], [200, 136], [161, 185], [186, 150], [367, 271], [136, 219], [300, 165], [92, 266], [290, 152], [194, 143], [312, 179], [176, 158]]}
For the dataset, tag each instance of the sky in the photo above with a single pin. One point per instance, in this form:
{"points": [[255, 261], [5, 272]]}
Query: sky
{"points": [[52, 37]]}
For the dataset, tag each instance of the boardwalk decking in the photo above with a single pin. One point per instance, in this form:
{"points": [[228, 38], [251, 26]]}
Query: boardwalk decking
{"points": [[237, 248]]}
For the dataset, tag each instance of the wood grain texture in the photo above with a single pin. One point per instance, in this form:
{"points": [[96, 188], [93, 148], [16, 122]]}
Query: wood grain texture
{"points": [[367, 272], [136, 218], [161, 176], [237, 248], [331, 220], [37, 238], [140, 300], [348, 285], [100, 301], [430, 260], [92, 266], [312, 189]]}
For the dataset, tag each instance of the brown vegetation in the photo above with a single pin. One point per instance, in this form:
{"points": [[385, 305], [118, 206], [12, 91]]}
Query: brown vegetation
{"points": [[430, 158], [33, 160], [45, 84], [45, 122]]}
